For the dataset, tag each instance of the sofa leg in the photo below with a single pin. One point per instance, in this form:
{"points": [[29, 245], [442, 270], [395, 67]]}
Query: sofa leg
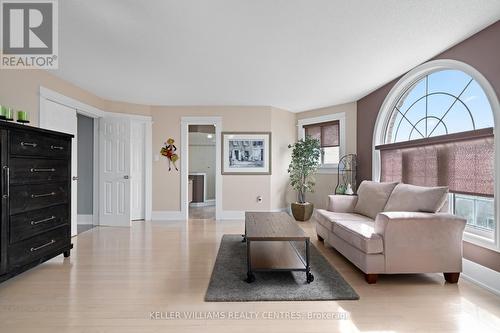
{"points": [[371, 278], [451, 277], [321, 239]]}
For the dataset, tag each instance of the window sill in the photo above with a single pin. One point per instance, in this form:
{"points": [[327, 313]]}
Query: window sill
{"points": [[481, 241]]}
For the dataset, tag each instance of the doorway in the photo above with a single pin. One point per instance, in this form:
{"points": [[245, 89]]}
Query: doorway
{"points": [[85, 190], [201, 177], [214, 125], [117, 141]]}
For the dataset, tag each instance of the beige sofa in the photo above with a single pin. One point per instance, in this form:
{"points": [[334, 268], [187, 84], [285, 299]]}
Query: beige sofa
{"points": [[391, 228]]}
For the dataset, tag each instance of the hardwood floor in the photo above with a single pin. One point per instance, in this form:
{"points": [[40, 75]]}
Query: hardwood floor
{"points": [[116, 277], [202, 213]]}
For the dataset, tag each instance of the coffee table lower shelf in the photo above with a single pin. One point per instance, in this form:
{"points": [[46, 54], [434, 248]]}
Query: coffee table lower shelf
{"points": [[276, 255]]}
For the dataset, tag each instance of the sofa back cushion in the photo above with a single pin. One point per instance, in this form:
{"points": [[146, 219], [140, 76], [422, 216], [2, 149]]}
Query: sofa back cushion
{"points": [[372, 197], [412, 198]]}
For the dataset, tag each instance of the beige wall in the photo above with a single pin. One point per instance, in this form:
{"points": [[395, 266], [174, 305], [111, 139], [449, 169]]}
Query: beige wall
{"points": [[239, 192], [20, 89], [121, 107], [326, 183], [284, 129]]}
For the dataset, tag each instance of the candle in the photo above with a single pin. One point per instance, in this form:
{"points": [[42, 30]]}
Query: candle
{"points": [[3, 111], [9, 113], [22, 115]]}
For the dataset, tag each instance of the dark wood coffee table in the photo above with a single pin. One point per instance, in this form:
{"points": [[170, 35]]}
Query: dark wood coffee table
{"points": [[270, 239]]}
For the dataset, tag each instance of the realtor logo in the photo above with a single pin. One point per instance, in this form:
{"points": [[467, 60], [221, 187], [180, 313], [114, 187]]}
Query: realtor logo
{"points": [[29, 34]]}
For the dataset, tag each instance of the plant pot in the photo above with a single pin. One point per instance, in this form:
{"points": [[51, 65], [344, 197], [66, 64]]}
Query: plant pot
{"points": [[302, 211]]}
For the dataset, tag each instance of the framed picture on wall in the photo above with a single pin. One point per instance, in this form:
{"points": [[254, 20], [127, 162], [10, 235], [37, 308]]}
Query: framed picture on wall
{"points": [[246, 153]]}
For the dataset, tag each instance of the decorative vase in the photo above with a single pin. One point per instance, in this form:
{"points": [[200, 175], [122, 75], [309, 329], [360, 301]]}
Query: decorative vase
{"points": [[349, 190], [341, 189], [302, 211]]}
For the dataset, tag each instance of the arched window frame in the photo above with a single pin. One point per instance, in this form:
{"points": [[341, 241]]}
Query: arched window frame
{"points": [[409, 79]]}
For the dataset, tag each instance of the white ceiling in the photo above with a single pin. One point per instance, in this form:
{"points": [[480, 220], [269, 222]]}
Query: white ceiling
{"points": [[291, 54]]}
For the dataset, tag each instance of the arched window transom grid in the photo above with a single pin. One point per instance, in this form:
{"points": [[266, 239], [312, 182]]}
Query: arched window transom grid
{"points": [[440, 103]]}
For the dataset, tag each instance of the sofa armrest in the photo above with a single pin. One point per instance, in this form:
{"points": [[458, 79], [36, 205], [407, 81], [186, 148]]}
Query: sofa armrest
{"points": [[421, 242], [342, 203]]}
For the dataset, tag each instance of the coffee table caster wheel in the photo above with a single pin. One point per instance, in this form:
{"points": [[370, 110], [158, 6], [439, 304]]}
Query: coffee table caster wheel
{"points": [[250, 277], [310, 278]]}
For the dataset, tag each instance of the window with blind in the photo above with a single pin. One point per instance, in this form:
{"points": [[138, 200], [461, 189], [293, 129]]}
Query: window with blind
{"points": [[440, 133], [328, 135]]}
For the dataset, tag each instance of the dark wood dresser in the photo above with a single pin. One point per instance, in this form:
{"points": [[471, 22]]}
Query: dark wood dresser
{"points": [[35, 189]]}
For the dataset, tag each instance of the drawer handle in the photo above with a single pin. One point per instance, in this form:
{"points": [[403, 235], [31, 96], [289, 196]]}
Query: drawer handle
{"points": [[44, 220], [33, 196], [33, 249], [7, 182], [43, 170], [30, 144], [56, 147]]}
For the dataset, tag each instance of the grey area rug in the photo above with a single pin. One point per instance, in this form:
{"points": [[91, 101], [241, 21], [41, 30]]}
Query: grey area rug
{"points": [[228, 284]]}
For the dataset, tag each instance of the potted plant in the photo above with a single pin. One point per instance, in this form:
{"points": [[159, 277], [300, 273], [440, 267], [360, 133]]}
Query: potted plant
{"points": [[305, 161]]}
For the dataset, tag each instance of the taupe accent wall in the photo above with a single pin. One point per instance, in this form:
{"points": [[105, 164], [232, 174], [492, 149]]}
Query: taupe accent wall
{"points": [[481, 51]]}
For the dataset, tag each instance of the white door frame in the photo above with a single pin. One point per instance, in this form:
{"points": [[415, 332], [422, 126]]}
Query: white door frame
{"points": [[95, 113], [146, 124], [185, 122]]}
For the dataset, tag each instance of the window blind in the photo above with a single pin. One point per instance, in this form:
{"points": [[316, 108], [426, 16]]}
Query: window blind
{"points": [[327, 133], [462, 161]]}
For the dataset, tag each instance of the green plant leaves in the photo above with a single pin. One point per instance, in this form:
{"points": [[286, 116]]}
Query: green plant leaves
{"points": [[306, 155]]}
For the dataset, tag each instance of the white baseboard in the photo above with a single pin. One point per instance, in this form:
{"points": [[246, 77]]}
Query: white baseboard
{"points": [[482, 276], [168, 215], [172, 215], [85, 219], [240, 214]]}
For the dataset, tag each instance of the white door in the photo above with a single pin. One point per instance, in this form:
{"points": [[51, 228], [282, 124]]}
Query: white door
{"points": [[114, 171], [137, 159], [61, 118]]}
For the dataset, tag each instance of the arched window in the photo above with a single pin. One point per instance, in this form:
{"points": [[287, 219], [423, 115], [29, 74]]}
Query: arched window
{"points": [[436, 127], [440, 103]]}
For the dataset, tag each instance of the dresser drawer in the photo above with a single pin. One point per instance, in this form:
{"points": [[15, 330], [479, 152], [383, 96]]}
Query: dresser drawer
{"points": [[26, 225], [27, 170], [30, 197], [36, 247], [30, 144]]}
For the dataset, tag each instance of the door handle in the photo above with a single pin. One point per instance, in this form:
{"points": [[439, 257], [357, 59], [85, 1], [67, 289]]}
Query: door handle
{"points": [[75, 177], [126, 177]]}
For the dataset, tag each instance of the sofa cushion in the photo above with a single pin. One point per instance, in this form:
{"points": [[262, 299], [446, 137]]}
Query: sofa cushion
{"points": [[412, 198], [327, 218], [372, 197], [360, 234]]}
